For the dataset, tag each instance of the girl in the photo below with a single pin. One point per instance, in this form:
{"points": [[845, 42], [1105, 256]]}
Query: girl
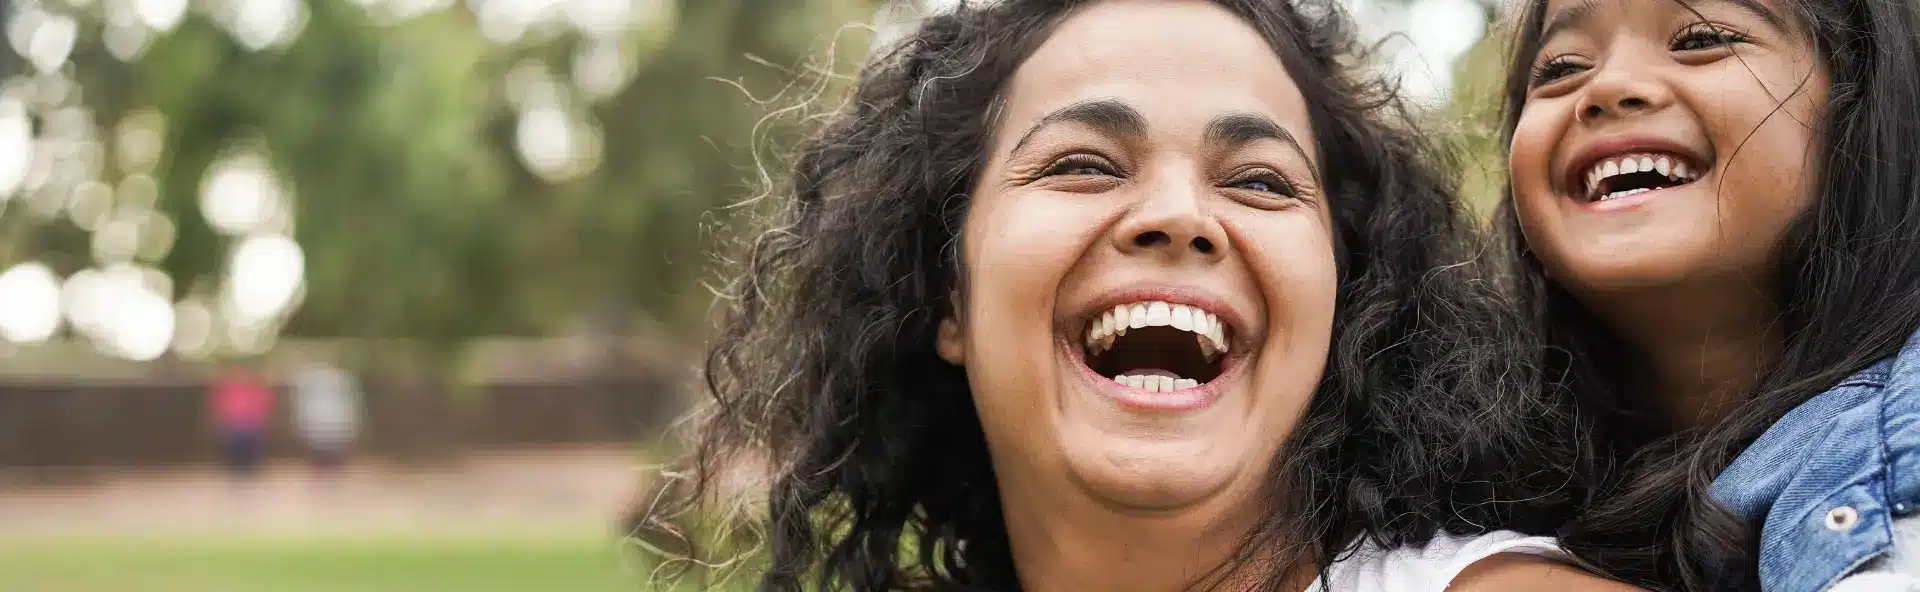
{"points": [[1130, 295], [1713, 205]]}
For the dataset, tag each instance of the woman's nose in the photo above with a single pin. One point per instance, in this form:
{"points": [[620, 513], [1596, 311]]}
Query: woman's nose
{"points": [[1172, 222]]}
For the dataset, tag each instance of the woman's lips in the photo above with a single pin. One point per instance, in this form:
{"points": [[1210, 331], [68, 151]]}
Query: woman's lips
{"points": [[1141, 400]]}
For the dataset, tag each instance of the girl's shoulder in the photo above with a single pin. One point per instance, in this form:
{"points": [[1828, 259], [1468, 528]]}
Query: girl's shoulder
{"points": [[1367, 567], [1827, 481]]}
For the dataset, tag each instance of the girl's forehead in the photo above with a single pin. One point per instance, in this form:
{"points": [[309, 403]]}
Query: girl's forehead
{"points": [[1558, 14]]}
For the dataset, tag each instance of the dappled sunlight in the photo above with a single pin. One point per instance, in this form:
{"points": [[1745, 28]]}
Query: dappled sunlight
{"points": [[32, 297]]}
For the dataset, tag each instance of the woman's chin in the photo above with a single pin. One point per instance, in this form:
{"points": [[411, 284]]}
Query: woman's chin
{"points": [[1145, 476], [1155, 451]]}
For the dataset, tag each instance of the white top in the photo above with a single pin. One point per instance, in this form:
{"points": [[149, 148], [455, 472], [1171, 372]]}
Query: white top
{"points": [[1897, 571], [1428, 568]]}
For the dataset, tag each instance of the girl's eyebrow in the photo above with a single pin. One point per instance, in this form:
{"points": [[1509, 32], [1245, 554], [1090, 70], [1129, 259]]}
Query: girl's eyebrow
{"points": [[1758, 9], [1572, 17], [1576, 16]]}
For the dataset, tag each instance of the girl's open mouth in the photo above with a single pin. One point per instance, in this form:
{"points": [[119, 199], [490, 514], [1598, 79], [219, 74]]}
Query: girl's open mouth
{"points": [[1627, 175]]}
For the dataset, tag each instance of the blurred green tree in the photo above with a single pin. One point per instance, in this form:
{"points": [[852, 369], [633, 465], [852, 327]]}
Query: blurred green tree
{"points": [[450, 180]]}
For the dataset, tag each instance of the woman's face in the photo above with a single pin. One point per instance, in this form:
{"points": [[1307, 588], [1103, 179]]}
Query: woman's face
{"points": [[1657, 147], [1149, 287]]}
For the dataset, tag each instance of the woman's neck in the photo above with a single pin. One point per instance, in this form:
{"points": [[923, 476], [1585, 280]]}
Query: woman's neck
{"points": [[1064, 541], [1700, 359]]}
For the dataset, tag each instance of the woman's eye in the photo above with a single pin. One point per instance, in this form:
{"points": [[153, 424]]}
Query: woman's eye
{"points": [[1265, 183], [1554, 69], [1705, 37], [1081, 165]]}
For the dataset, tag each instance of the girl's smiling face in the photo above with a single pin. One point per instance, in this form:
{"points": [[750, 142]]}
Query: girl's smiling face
{"points": [[1149, 276], [1664, 142]]}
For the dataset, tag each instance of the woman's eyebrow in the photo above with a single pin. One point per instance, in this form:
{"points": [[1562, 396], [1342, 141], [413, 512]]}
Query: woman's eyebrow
{"points": [[1110, 116], [1236, 129]]}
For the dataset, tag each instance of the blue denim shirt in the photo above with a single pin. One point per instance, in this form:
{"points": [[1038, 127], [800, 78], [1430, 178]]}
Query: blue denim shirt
{"points": [[1831, 476]]}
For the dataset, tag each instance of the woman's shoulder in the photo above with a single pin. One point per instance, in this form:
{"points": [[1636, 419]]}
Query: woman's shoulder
{"points": [[1367, 566]]}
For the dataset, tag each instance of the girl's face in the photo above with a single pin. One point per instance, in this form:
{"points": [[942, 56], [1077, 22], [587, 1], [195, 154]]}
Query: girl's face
{"points": [[1658, 146], [1149, 288]]}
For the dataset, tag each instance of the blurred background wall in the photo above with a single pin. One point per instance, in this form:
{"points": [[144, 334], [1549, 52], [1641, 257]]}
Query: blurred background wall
{"points": [[496, 218]]}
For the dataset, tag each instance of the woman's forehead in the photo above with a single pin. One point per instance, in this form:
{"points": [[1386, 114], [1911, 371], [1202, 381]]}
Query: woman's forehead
{"points": [[1180, 64]]}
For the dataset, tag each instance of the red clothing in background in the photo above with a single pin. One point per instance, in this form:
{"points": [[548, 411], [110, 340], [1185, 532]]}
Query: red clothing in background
{"points": [[241, 402]]}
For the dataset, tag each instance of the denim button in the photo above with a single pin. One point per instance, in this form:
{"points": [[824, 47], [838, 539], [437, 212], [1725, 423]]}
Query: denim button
{"points": [[1842, 519]]}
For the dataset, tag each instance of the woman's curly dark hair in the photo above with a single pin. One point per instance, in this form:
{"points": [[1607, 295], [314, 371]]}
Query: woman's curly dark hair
{"points": [[825, 369]]}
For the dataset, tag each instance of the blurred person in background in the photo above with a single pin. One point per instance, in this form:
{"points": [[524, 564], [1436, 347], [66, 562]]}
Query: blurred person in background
{"points": [[326, 414], [1130, 295], [242, 405]]}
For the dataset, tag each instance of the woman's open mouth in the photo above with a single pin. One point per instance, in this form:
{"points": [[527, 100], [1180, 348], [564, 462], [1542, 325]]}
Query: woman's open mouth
{"points": [[1158, 355]]}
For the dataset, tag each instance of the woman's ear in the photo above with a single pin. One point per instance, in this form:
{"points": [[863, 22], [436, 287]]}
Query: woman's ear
{"points": [[951, 340]]}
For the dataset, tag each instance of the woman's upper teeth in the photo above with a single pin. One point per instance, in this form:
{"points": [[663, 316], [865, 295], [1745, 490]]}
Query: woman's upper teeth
{"points": [[1672, 165], [1206, 327]]}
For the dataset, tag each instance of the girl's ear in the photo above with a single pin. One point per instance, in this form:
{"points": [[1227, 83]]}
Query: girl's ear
{"points": [[951, 340]]}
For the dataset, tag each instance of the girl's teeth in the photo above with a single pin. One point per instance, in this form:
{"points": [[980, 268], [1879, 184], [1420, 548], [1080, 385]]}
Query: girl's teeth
{"points": [[1182, 317], [1620, 194], [1672, 168], [1137, 316]]}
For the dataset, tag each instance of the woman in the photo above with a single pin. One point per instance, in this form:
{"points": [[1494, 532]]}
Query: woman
{"points": [[1131, 295], [1716, 212]]}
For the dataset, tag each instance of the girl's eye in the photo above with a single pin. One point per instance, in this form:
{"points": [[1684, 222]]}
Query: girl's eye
{"points": [[1554, 69], [1081, 165], [1702, 37], [1265, 181]]}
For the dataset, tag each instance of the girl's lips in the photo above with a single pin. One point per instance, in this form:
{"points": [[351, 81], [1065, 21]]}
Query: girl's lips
{"points": [[1631, 201], [1574, 172]]}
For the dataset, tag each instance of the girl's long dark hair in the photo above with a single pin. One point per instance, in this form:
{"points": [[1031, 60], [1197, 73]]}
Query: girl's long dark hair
{"points": [[825, 371], [1849, 288]]}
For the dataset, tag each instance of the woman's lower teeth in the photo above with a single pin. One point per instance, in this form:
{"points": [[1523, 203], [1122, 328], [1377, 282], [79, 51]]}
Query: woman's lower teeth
{"points": [[1155, 383]]}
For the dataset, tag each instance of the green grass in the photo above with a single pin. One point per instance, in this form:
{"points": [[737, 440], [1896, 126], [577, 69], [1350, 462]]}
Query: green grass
{"points": [[584, 563]]}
